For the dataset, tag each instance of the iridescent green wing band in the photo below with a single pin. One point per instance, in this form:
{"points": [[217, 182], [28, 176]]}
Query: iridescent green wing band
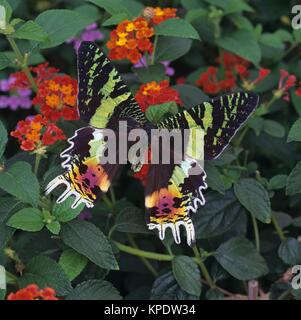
{"points": [[103, 97], [220, 118]]}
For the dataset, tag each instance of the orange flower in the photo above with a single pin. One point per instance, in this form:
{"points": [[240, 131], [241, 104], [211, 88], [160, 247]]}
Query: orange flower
{"points": [[55, 96], [161, 15], [34, 134], [156, 93], [130, 40], [32, 292]]}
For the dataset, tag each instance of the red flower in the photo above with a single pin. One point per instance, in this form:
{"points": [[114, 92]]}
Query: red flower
{"points": [[57, 98], [41, 73], [298, 92], [250, 85], [156, 93], [37, 133], [286, 82], [181, 80], [32, 292]]}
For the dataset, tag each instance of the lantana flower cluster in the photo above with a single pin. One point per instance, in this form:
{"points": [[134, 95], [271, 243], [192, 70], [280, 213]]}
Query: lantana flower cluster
{"points": [[233, 68], [55, 99], [132, 38], [152, 93], [33, 292]]}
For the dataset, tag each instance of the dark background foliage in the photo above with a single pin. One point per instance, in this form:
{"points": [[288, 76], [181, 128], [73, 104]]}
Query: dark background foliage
{"points": [[250, 227]]}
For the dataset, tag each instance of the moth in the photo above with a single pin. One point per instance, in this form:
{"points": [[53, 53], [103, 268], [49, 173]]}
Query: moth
{"points": [[172, 194]]}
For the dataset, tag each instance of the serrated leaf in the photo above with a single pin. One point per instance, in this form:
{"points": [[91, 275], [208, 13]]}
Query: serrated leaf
{"points": [[45, 272], [54, 227], [176, 27], [243, 44], [273, 128], [130, 7], [156, 113], [115, 19], [20, 182], [239, 257], [218, 215], [255, 198], [4, 61], [28, 219], [72, 263], [30, 31], [64, 213], [88, 240], [3, 139], [190, 95], [151, 73], [290, 251], [131, 219], [214, 178], [171, 48], [293, 185], [277, 182], [295, 132], [60, 25], [94, 290], [166, 288], [187, 274]]}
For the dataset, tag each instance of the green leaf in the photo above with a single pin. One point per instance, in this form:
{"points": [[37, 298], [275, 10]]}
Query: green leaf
{"points": [[214, 178], [195, 14], [28, 219], [64, 213], [132, 220], [231, 6], [94, 290], [293, 185], [277, 182], [45, 272], [219, 214], [255, 198], [8, 10], [130, 7], [290, 251], [54, 227], [30, 31], [60, 25], [190, 95], [176, 27], [88, 240], [256, 123], [240, 21], [4, 61], [72, 263], [3, 139], [272, 40], [151, 73], [273, 128], [187, 274], [296, 100], [166, 288], [20, 182], [115, 19], [243, 44], [239, 257], [171, 48], [295, 132], [156, 113]]}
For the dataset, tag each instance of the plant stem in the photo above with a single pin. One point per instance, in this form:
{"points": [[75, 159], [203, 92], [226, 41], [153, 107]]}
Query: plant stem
{"points": [[11, 278], [154, 50], [37, 164], [143, 253], [256, 232], [107, 201], [241, 137], [147, 264], [285, 294], [278, 228], [22, 63], [203, 268], [113, 197]]}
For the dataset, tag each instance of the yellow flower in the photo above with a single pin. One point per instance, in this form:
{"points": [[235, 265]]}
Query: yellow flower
{"points": [[121, 42], [130, 27], [54, 86]]}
